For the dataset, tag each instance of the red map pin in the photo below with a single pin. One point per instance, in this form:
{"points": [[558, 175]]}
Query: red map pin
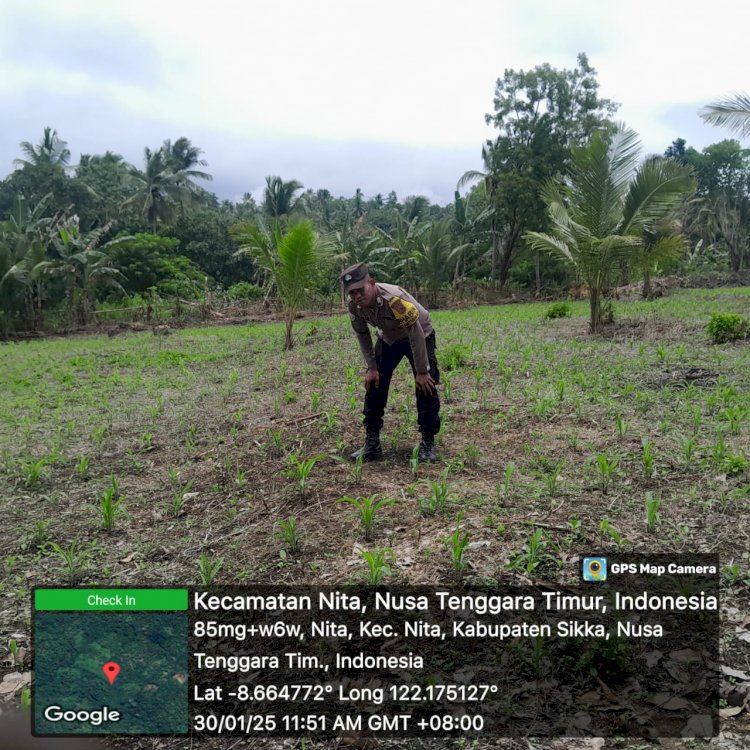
{"points": [[111, 669]]}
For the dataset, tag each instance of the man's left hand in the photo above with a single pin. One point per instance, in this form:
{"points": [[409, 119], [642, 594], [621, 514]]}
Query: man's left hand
{"points": [[425, 384]]}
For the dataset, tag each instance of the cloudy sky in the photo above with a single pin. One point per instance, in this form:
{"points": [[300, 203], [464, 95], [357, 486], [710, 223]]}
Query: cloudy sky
{"points": [[386, 95]]}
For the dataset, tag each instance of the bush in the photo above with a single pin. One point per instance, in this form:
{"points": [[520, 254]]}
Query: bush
{"points": [[725, 327], [453, 357], [558, 310], [244, 290]]}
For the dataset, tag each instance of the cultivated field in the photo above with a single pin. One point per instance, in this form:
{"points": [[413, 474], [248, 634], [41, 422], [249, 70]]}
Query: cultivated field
{"points": [[179, 459]]}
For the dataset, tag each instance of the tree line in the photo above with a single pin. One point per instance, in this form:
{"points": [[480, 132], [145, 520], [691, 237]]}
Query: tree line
{"points": [[564, 197]]}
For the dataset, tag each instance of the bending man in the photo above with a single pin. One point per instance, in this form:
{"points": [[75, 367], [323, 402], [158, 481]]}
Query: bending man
{"points": [[404, 329]]}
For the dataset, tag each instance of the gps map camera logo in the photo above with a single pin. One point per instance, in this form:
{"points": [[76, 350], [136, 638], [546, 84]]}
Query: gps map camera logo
{"points": [[594, 568]]}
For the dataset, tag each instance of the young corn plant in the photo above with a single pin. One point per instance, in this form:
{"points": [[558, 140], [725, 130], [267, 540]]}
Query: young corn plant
{"points": [[606, 529], [356, 470], [457, 544], [82, 467], [208, 568], [227, 389], [447, 380], [414, 461], [734, 416], [534, 553], [606, 468], [173, 475], [439, 497], [330, 421], [696, 419], [191, 438], [98, 436], [647, 459], [719, 451], [32, 472], [471, 454], [622, 426], [109, 504], [177, 503], [367, 507], [576, 531], [240, 478], [377, 565], [36, 538], [276, 443], [288, 534], [551, 478], [688, 451], [653, 501], [299, 470], [16, 656], [507, 476], [135, 463], [74, 559], [560, 389]]}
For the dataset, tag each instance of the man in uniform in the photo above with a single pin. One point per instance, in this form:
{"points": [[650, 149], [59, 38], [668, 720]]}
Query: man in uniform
{"points": [[403, 330]]}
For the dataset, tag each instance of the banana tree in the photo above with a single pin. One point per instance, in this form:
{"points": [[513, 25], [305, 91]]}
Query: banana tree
{"points": [[83, 267]]}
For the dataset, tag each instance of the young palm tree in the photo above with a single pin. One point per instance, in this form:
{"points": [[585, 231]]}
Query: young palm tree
{"points": [[732, 112], [291, 260], [599, 214]]}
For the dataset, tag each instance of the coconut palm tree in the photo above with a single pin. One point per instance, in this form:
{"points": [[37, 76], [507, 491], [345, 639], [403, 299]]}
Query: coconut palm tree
{"points": [[279, 197], [402, 249], [435, 252], [51, 151], [732, 112], [490, 179], [157, 186], [183, 157], [166, 179], [599, 213]]}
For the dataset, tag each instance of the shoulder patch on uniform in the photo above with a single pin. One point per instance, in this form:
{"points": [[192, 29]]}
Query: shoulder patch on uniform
{"points": [[405, 312]]}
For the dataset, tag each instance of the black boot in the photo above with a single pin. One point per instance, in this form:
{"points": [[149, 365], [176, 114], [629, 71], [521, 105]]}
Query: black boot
{"points": [[371, 450], [427, 450]]}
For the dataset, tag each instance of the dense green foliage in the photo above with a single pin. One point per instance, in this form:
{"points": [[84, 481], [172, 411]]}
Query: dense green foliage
{"points": [[725, 327], [176, 239]]}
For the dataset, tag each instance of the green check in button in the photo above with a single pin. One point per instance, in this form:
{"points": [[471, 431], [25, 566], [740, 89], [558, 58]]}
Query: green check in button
{"points": [[111, 600]]}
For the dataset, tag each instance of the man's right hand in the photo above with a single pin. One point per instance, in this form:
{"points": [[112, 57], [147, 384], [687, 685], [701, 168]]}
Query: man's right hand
{"points": [[372, 380]]}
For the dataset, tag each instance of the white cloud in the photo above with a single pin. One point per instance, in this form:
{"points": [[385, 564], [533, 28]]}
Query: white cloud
{"points": [[274, 79]]}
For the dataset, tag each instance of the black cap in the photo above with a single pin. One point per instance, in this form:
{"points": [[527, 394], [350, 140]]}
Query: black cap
{"points": [[355, 277]]}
